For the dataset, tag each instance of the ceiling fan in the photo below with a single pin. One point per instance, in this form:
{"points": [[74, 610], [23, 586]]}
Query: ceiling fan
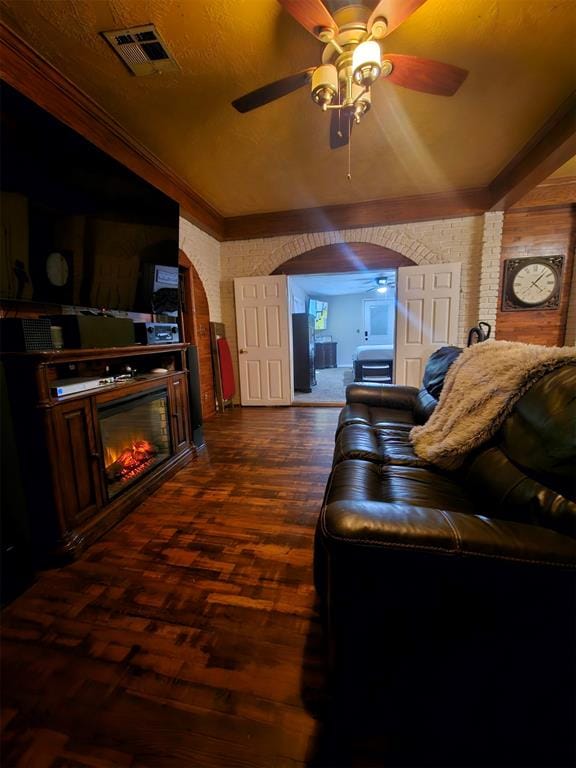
{"points": [[384, 284], [352, 61]]}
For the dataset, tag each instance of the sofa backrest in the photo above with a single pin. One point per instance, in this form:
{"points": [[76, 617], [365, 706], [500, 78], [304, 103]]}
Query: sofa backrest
{"points": [[528, 472], [435, 372]]}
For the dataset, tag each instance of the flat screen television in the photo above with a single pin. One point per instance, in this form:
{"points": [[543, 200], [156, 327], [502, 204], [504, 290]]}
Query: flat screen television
{"points": [[319, 311], [78, 227]]}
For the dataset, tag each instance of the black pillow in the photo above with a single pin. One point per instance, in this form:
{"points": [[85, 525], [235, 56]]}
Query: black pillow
{"points": [[437, 367]]}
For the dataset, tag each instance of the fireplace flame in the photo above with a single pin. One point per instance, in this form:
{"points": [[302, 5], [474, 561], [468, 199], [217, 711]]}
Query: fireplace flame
{"points": [[131, 460]]}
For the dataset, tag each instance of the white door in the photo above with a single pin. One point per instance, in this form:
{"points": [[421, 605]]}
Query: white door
{"points": [[379, 321], [427, 317], [262, 326]]}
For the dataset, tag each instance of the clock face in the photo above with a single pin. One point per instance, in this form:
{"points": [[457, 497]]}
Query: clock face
{"points": [[534, 284], [57, 269]]}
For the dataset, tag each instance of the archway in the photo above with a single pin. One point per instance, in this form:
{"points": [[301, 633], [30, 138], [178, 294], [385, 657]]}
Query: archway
{"points": [[196, 330], [335, 259], [343, 257]]}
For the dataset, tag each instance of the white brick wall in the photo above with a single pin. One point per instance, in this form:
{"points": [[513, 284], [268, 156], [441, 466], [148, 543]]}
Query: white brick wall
{"points": [[429, 242], [475, 241], [489, 272], [204, 253]]}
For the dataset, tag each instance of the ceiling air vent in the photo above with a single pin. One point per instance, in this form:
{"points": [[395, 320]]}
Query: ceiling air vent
{"points": [[142, 50]]}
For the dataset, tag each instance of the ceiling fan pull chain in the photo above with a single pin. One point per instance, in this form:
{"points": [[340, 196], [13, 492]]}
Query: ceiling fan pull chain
{"points": [[349, 174]]}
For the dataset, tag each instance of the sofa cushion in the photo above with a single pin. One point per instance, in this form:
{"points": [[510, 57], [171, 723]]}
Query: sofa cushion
{"points": [[344, 527], [357, 441], [385, 446], [382, 395], [508, 493], [382, 405], [355, 480], [540, 434], [373, 416]]}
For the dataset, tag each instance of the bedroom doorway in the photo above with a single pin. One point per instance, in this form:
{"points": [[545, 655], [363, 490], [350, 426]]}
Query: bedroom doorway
{"points": [[338, 330], [363, 260]]}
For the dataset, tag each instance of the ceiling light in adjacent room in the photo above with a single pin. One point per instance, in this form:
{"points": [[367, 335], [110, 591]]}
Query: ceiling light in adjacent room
{"points": [[382, 284]]}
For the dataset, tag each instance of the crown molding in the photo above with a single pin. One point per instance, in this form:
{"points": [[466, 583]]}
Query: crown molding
{"points": [[442, 205], [24, 69]]}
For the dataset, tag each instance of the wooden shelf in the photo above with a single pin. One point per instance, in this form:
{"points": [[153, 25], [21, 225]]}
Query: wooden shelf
{"points": [[54, 356]]}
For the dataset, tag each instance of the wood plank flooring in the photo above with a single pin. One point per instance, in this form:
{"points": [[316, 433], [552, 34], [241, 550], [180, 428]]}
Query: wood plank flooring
{"points": [[188, 635]]}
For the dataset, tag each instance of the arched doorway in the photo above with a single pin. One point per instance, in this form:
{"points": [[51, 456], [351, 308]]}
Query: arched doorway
{"points": [[196, 330], [343, 257], [338, 261]]}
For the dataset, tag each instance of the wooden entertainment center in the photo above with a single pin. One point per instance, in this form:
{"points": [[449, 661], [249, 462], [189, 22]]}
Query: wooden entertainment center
{"points": [[60, 438]]}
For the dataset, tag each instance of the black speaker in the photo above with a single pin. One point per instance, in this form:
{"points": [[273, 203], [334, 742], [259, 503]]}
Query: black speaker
{"points": [[195, 399], [86, 331], [25, 334]]}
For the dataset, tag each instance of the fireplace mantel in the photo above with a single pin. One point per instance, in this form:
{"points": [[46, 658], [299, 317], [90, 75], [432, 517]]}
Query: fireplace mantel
{"points": [[60, 443]]}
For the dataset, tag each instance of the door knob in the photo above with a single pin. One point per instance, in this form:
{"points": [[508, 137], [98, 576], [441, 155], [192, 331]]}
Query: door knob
{"points": [[243, 351]]}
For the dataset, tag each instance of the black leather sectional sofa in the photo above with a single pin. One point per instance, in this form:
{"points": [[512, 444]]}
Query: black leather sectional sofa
{"points": [[448, 598]]}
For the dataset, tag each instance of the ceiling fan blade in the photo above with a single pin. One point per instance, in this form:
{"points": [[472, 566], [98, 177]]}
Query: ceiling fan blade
{"points": [[394, 11], [311, 14], [340, 128], [425, 75], [272, 91]]}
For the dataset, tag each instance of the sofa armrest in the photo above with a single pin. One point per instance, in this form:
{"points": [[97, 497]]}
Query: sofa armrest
{"points": [[401, 527], [382, 395]]}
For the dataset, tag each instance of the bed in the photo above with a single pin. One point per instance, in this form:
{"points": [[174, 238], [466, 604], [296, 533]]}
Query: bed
{"points": [[373, 362]]}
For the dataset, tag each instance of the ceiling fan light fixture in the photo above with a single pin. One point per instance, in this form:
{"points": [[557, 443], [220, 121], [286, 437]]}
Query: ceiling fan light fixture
{"points": [[362, 100], [366, 63], [382, 284], [325, 84]]}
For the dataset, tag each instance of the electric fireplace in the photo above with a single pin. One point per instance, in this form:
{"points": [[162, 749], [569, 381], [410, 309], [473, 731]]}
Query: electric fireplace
{"points": [[135, 438]]}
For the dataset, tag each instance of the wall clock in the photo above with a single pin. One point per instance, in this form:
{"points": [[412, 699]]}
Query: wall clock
{"points": [[53, 278], [532, 283], [57, 269]]}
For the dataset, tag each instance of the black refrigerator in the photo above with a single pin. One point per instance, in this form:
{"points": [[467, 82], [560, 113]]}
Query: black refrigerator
{"points": [[303, 347]]}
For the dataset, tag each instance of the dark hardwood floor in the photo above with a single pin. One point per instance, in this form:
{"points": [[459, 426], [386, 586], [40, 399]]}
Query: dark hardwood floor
{"points": [[188, 635]]}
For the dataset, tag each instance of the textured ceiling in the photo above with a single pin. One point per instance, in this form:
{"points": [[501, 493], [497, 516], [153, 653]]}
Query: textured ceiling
{"points": [[519, 53], [343, 283]]}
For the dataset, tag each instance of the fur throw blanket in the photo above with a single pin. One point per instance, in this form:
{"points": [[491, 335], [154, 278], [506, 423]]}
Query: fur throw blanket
{"points": [[480, 390]]}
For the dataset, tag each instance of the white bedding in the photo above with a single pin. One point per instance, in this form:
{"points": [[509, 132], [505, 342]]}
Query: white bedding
{"points": [[374, 352]]}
